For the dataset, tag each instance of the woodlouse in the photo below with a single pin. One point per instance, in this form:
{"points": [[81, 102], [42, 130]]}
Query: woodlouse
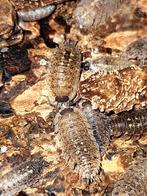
{"points": [[98, 122], [21, 177], [133, 181], [63, 73], [131, 124], [36, 14], [108, 64], [94, 13], [137, 50], [79, 146]]}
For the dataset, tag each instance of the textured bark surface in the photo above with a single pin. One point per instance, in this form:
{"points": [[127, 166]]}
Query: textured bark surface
{"points": [[114, 84]]}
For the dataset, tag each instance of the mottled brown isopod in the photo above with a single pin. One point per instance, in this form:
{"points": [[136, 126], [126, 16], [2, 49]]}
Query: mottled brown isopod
{"points": [[24, 175], [131, 124], [98, 122], [137, 50], [133, 181], [63, 73], [79, 146], [91, 14]]}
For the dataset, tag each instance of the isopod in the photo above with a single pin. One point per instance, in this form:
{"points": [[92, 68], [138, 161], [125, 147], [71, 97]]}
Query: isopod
{"points": [[90, 13], [63, 73], [137, 50], [36, 14], [133, 181], [24, 175], [131, 124], [108, 64], [80, 150], [98, 122]]}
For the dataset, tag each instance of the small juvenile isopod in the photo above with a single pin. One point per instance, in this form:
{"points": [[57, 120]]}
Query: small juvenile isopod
{"points": [[80, 150], [134, 181], [63, 73], [21, 177], [129, 124]]}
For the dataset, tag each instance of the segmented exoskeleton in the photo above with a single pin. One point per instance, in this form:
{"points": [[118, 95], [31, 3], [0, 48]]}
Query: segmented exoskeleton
{"points": [[36, 14], [129, 124], [98, 122], [108, 64], [24, 175], [92, 13], [63, 73], [79, 146], [137, 50], [134, 181]]}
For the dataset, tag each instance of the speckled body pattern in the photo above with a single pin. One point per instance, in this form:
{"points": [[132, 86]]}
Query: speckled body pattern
{"points": [[83, 134], [98, 122], [21, 177], [79, 146], [63, 73], [90, 13], [130, 124], [137, 49], [109, 64], [134, 181]]}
